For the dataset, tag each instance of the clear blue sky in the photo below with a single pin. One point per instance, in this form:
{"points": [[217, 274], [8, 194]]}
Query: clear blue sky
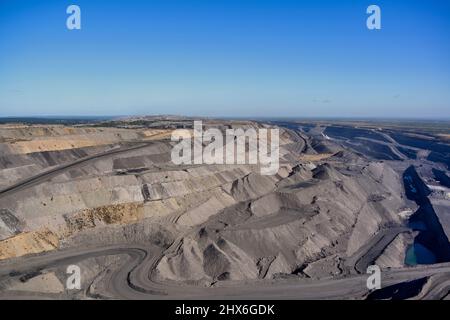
{"points": [[225, 58]]}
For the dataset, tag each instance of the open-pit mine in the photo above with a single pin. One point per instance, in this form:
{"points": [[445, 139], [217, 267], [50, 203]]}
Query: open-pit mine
{"points": [[105, 197]]}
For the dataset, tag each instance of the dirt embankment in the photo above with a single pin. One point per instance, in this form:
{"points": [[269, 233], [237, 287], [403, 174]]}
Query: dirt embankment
{"points": [[47, 240], [28, 243]]}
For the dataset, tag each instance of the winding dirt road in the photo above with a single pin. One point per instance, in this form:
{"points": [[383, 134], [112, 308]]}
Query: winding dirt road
{"points": [[51, 173], [135, 279]]}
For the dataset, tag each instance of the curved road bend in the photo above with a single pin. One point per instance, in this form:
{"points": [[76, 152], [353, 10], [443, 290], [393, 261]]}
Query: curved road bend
{"points": [[133, 280], [372, 249]]}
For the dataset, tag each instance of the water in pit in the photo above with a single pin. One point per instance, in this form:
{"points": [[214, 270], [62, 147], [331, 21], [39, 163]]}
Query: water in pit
{"points": [[419, 254]]}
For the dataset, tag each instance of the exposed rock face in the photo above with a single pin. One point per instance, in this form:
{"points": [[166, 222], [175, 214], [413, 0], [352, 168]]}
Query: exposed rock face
{"points": [[90, 218], [327, 267], [28, 242], [221, 222], [9, 224]]}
